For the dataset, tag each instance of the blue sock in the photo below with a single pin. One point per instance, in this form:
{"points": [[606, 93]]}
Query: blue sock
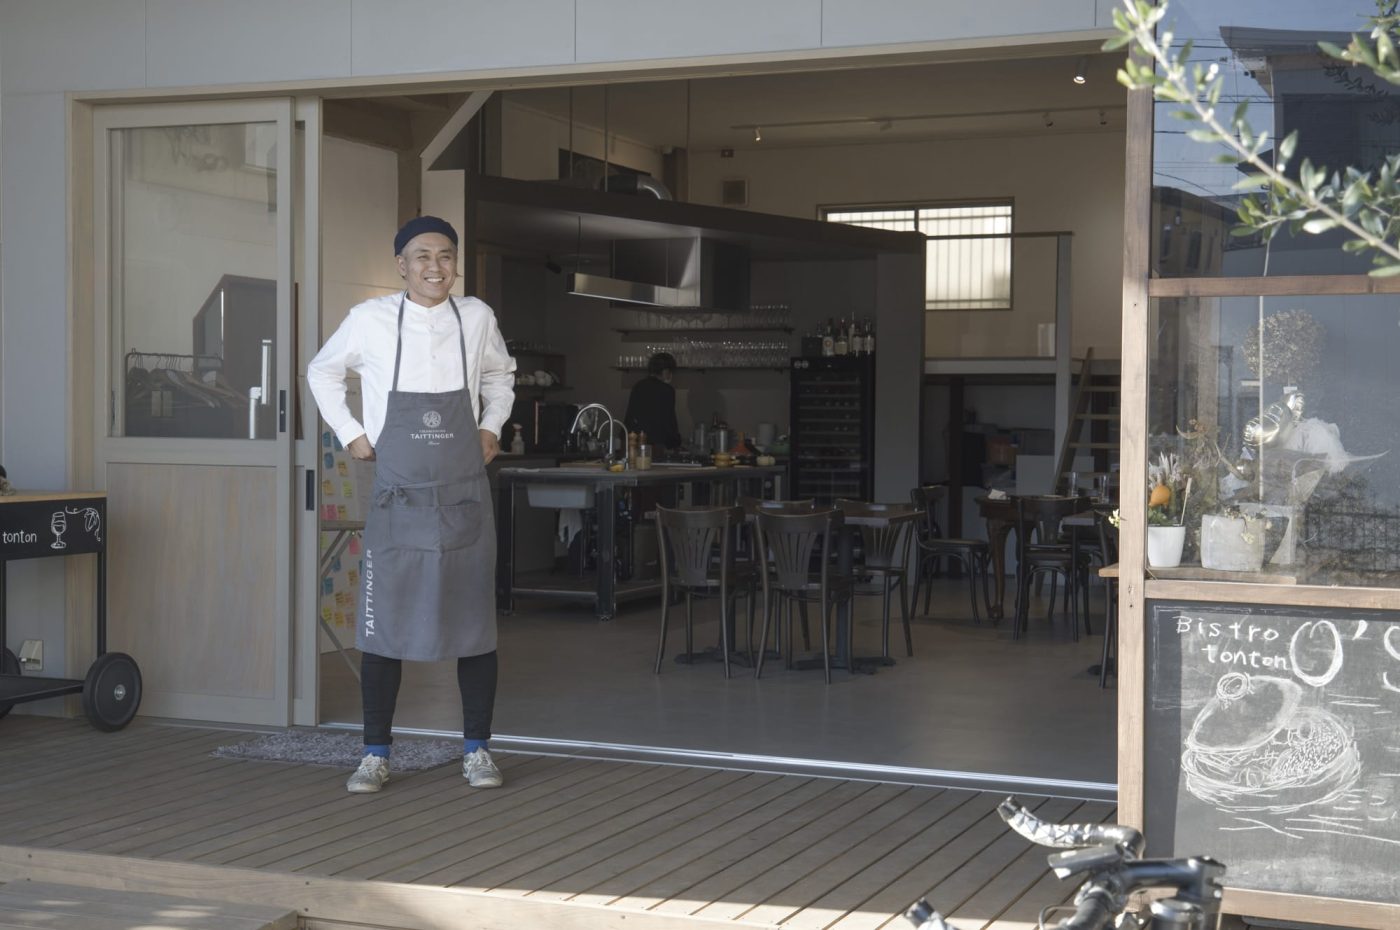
{"points": [[470, 746], [379, 749]]}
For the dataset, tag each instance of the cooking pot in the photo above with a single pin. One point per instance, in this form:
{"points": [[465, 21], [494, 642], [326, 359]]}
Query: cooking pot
{"points": [[701, 438], [721, 438]]}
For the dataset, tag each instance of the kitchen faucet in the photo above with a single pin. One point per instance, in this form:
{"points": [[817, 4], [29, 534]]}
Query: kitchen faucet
{"points": [[611, 423]]}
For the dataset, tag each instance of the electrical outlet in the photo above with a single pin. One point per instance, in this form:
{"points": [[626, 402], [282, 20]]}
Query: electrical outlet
{"points": [[31, 655]]}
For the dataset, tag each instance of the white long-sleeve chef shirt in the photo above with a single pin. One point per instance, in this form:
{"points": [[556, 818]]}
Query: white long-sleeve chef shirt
{"points": [[431, 363]]}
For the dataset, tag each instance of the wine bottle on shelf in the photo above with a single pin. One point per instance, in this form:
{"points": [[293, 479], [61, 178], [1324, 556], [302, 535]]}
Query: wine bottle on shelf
{"points": [[869, 337], [841, 344], [828, 339]]}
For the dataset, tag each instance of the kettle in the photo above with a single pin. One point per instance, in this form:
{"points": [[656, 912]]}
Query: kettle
{"points": [[721, 439], [701, 438]]}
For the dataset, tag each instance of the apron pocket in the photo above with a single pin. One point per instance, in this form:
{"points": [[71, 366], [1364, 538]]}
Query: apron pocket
{"points": [[412, 528], [460, 524]]}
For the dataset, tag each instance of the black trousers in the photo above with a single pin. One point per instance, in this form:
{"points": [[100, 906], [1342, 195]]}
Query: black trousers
{"points": [[379, 691]]}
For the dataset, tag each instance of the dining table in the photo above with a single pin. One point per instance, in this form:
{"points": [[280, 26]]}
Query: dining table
{"points": [[999, 513]]}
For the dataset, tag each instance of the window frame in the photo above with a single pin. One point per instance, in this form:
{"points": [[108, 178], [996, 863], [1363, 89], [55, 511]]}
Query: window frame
{"points": [[914, 207]]}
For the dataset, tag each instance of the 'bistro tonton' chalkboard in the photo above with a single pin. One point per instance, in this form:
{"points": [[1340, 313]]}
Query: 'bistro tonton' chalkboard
{"points": [[1273, 744]]}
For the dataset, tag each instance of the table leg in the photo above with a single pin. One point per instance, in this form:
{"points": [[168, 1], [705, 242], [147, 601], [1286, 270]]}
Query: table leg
{"points": [[998, 533], [607, 536], [101, 601]]}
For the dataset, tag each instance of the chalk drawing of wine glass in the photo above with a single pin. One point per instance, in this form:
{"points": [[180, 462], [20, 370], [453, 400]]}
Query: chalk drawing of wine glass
{"points": [[59, 524]]}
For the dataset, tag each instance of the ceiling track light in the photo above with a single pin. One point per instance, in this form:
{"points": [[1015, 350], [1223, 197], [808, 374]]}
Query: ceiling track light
{"points": [[758, 134], [1081, 67], [1103, 118], [1048, 121]]}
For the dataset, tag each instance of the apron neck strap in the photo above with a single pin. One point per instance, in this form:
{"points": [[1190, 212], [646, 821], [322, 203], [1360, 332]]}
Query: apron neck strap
{"points": [[398, 339]]}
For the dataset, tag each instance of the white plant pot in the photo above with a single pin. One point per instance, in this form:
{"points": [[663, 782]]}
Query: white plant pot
{"points": [[1232, 544], [1164, 545]]}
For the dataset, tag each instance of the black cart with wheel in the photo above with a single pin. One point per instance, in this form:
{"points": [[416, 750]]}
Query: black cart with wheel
{"points": [[44, 524]]}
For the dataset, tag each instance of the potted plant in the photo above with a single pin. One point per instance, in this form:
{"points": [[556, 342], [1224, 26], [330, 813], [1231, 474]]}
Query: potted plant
{"points": [[1168, 491], [1232, 541]]}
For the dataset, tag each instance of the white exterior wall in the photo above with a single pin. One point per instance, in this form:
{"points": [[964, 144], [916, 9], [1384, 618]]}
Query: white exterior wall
{"points": [[49, 48]]}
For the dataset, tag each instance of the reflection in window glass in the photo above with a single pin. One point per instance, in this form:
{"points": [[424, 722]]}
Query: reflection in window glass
{"points": [[1267, 52], [1280, 413], [194, 313]]}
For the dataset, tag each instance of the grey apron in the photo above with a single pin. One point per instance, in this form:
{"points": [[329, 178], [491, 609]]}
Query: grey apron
{"points": [[428, 591]]}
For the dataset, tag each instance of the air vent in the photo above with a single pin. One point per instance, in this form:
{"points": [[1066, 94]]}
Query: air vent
{"points": [[734, 192]]}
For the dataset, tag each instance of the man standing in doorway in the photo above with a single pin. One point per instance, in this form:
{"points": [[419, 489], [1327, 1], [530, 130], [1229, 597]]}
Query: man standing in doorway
{"points": [[427, 364]]}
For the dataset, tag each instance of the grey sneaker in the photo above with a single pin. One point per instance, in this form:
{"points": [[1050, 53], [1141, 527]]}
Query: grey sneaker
{"points": [[372, 775], [480, 771]]}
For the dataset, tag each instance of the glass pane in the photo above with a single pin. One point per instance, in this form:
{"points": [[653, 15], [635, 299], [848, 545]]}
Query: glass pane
{"points": [[1290, 441], [1267, 52], [194, 309], [1027, 330]]}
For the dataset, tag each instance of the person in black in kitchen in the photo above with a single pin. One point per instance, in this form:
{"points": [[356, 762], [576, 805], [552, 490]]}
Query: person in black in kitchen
{"points": [[437, 386], [651, 407]]}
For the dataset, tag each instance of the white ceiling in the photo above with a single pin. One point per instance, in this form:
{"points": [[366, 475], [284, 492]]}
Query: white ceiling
{"points": [[1008, 97]]}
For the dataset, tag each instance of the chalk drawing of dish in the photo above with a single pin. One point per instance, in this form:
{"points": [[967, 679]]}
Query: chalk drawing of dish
{"points": [[1253, 747]]}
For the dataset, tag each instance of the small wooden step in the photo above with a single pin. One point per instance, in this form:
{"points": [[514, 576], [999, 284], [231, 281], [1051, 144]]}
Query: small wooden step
{"points": [[40, 904]]}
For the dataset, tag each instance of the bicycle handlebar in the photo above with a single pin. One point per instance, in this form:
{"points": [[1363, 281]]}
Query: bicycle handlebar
{"points": [[1068, 835], [1091, 914], [1111, 855]]}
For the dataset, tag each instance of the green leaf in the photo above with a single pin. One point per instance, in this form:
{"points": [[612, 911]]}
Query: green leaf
{"points": [[1386, 271], [1115, 43], [1286, 147], [1204, 135], [1385, 48], [1329, 49], [1184, 114], [1321, 225]]}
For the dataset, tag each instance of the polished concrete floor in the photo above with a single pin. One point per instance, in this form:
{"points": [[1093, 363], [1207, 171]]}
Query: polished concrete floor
{"points": [[971, 700]]}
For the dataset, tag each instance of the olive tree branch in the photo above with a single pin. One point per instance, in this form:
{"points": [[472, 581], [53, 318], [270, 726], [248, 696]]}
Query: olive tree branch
{"points": [[1366, 207]]}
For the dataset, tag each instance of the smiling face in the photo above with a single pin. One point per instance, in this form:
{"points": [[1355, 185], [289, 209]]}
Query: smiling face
{"points": [[428, 264]]}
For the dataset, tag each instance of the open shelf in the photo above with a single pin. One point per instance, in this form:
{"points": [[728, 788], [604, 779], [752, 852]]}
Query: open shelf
{"points": [[681, 330], [704, 368]]}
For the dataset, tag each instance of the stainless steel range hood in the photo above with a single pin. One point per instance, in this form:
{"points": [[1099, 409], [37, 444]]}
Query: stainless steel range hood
{"points": [[672, 273]]}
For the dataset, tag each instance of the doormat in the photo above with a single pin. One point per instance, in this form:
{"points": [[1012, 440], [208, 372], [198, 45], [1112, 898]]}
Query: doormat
{"points": [[341, 750]]}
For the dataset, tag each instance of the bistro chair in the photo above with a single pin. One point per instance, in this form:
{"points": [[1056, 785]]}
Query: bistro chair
{"points": [[1040, 551], [883, 562], [752, 507], [971, 554], [1108, 548], [799, 571], [696, 548]]}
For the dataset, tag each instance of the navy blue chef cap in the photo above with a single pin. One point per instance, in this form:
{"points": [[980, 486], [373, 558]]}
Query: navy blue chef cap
{"points": [[423, 224]]}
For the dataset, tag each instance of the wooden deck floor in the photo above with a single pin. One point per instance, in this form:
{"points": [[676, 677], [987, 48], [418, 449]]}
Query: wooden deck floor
{"points": [[618, 838]]}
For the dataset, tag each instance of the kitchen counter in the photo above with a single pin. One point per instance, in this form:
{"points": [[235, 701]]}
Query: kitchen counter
{"points": [[592, 487], [598, 475]]}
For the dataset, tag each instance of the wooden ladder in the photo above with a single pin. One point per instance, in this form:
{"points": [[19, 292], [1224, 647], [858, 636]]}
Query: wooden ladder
{"points": [[1095, 410]]}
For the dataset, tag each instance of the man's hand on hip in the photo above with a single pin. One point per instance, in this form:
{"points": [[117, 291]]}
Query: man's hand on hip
{"points": [[361, 449], [490, 445]]}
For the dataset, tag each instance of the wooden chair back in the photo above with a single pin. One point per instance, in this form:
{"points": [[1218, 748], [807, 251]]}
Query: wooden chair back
{"points": [[690, 540]]}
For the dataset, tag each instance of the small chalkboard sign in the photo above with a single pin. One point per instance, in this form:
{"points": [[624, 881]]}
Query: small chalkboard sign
{"points": [[1273, 744]]}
